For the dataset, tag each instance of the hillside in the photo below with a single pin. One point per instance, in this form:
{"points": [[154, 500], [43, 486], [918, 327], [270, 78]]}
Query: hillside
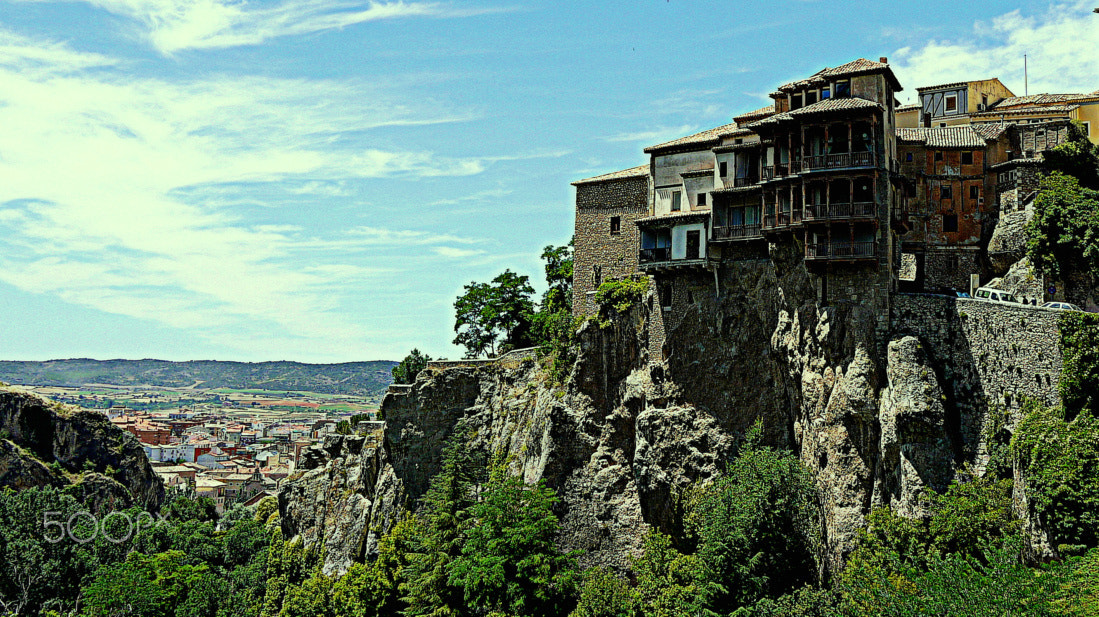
{"points": [[359, 378]]}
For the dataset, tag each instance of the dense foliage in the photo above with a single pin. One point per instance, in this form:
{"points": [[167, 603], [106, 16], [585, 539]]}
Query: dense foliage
{"points": [[1063, 236], [619, 295], [405, 372], [494, 317]]}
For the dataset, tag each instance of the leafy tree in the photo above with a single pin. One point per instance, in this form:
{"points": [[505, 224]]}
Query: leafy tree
{"points": [[151, 585], [1077, 157], [670, 583], [509, 562], [756, 526], [494, 316], [1063, 236], [405, 372], [1079, 384], [312, 598], [558, 268], [426, 587], [604, 594]]}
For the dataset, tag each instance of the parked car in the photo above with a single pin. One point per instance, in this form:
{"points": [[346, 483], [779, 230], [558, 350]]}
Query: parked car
{"points": [[995, 295], [1062, 306]]}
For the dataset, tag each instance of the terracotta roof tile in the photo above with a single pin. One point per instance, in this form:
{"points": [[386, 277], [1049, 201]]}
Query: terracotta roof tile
{"points": [[943, 137], [755, 114], [1026, 109], [908, 107], [830, 105], [860, 66], [990, 131], [677, 216], [700, 138], [633, 172]]}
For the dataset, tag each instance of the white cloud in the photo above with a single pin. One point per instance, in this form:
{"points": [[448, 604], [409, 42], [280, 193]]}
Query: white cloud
{"points": [[104, 194], [653, 136], [450, 251], [173, 25], [1060, 44]]}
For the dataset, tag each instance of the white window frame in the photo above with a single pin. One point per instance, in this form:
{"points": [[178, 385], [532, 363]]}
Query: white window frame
{"points": [[948, 97]]}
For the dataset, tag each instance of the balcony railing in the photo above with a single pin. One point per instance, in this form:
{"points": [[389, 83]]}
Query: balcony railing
{"points": [[840, 250], [738, 232], [837, 161], [654, 255], [779, 170], [840, 211], [769, 221], [745, 181]]}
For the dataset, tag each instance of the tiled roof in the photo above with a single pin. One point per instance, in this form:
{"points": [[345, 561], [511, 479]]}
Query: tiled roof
{"points": [[830, 105], [701, 138], [755, 114], [1027, 109], [1041, 99], [633, 172], [860, 66], [677, 217], [956, 84], [908, 107], [990, 131], [943, 137]]}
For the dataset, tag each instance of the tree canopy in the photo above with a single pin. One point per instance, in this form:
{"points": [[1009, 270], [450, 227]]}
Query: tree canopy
{"points": [[405, 372], [494, 317]]}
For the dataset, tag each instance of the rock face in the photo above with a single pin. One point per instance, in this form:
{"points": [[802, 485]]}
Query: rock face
{"points": [[100, 464], [876, 416]]}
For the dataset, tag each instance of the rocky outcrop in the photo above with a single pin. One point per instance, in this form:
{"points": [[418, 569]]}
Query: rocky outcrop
{"points": [[49, 444]]}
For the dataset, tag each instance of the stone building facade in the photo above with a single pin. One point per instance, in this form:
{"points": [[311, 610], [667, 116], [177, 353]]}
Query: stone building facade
{"points": [[606, 237]]}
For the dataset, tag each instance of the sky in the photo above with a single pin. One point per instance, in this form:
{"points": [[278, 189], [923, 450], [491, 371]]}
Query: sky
{"points": [[316, 180]]}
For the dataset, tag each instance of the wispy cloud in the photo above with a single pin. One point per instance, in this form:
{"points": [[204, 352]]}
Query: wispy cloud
{"points": [[1059, 43], [109, 194], [450, 251], [174, 25], [654, 136]]}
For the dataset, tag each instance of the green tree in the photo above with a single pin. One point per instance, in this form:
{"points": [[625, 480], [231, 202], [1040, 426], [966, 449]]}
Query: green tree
{"points": [[670, 583], [151, 585], [1079, 383], [604, 594], [1077, 157], [405, 372], [496, 316], [509, 562], [1063, 236], [756, 526], [426, 586], [558, 268]]}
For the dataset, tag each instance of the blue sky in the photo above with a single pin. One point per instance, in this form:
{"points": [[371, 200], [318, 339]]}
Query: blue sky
{"points": [[315, 180]]}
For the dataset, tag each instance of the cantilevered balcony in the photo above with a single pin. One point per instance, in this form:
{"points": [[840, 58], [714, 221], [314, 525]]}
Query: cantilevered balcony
{"points": [[743, 181], [840, 211], [840, 250], [737, 232], [655, 255], [843, 160], [779, 170]]}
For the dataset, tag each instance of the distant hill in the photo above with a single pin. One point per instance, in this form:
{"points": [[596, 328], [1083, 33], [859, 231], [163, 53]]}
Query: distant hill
{"points": [[358, 378]]}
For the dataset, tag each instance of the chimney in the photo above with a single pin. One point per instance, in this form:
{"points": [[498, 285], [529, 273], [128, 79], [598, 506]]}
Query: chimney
{"points": [[883, 60]]}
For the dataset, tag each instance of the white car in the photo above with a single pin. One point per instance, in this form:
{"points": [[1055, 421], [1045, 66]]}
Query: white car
{"points": [[1062, 306], [995, 295]]}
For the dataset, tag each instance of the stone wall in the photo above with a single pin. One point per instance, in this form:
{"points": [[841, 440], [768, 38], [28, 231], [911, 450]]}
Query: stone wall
{"points": [[989, 355], [614, 254], [950, 267]]}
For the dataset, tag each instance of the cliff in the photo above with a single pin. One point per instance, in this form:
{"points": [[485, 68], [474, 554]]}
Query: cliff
{"points": [[46, 444], [877, 415]]}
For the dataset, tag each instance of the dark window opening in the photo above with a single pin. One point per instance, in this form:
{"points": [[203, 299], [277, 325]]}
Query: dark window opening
{"points": [[723, 169], [967, 158], [908, 157], [843, 89], [616, 225], [974, 192], [677, 199], [938, 155], [690, 297], [952, 103], [795, 101], [701, 199], [694, 244], [950, 223], [946, 192], [666, 295], [825, 93], [810, 97]]}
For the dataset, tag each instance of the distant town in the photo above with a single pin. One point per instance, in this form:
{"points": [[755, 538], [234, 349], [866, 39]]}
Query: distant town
{"points": [[231, 445]]}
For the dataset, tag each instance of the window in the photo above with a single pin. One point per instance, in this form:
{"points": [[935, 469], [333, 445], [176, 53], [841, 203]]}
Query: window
{"points": [[825, 93], [843, 89], [950, 223], [1087, 128], [795, 101], [723, 169], [810, 97], [946, 191], [616, 225], [677, 200], [908, 158], [938, 155], [974, 192], [701, 199], [666, 296], [950, 103], [967, 158]]}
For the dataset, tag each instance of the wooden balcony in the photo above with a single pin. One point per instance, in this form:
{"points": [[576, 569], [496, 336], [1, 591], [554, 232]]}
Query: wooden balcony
{"points": [[745, 181], [844, 160], [781, 170], [737, 232], [841, 249], [782, 220], [841, 211], [655, 255]]}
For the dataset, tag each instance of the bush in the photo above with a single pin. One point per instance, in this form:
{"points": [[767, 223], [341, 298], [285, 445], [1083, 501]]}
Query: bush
{"points": [[619, 295]]}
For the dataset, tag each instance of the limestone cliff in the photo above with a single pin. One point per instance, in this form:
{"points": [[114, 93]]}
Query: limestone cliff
{"points": [[46, 444], [876, 416]]}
